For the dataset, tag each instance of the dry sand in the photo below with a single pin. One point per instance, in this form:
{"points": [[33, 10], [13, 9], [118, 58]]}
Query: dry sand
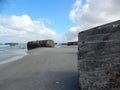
{"points": [[42, 69]]}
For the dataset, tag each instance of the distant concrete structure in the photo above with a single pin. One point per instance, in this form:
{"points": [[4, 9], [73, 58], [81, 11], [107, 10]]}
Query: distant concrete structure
{"points": [[99, 57], [11, 44], [72, 43], [40, 43]]}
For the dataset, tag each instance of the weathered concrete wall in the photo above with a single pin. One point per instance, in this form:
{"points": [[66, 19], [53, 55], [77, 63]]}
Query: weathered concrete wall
{"points": [[40, 43], [99, 57]]}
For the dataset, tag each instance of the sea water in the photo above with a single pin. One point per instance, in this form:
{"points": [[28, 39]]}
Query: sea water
{"points": [[11, 53]]}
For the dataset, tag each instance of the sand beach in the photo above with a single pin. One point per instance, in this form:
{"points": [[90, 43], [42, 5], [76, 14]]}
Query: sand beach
{"points": [[42, 69]]}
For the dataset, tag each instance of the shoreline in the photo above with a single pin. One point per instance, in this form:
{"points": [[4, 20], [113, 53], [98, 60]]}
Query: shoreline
{"points": [[26, 52], [12, 59], [8, 56]]}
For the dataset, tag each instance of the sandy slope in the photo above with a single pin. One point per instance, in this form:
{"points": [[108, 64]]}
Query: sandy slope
{"points": [[42, 69]]}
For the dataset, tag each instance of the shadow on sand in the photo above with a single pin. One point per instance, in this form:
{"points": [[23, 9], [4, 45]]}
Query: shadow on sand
{"points": [[41, 81]]}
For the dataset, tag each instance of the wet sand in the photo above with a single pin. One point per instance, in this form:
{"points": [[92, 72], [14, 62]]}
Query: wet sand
{"points": [[42, 69]]}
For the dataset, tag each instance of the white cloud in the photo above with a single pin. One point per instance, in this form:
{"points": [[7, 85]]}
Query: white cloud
{"points": [[94, 13], [72, 34], [23, 28], [90, 14], [45, 20]]}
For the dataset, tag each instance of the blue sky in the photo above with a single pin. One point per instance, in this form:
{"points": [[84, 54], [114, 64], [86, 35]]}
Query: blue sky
{"points": [[56, 11], [59, 20]]}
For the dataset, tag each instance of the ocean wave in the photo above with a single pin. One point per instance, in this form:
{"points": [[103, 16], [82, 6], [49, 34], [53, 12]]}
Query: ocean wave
{"points": [[12, 53]]}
